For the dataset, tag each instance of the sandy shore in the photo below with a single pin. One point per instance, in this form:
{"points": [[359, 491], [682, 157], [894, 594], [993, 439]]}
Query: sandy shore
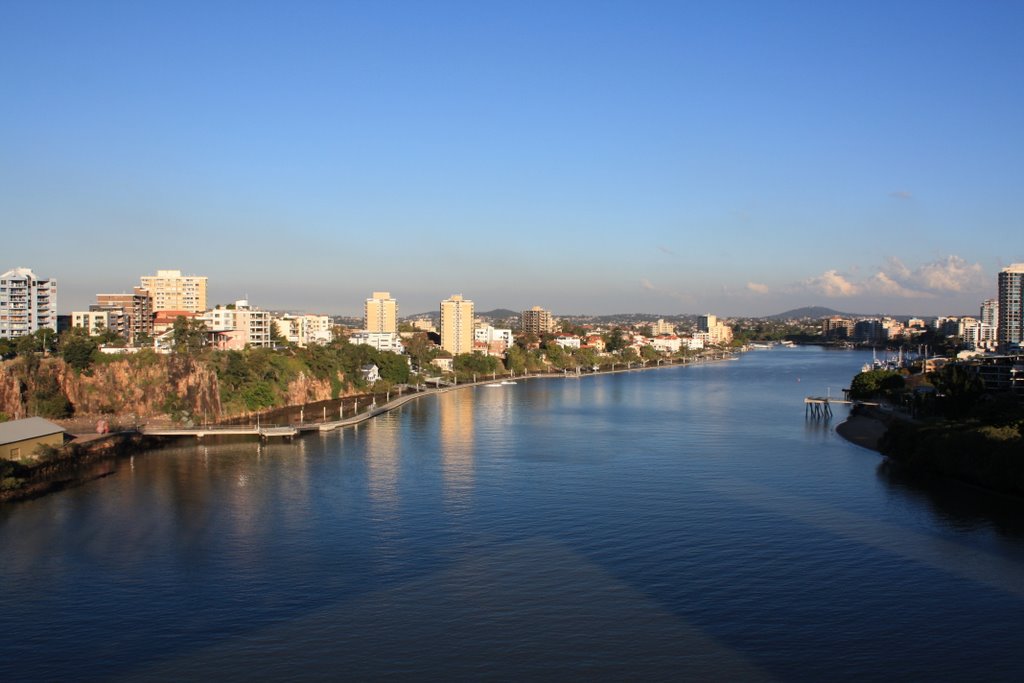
{"points": [[862, 430]]}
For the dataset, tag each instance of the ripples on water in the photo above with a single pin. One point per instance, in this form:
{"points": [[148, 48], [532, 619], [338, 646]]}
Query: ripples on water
{"points": [[679, 523]]}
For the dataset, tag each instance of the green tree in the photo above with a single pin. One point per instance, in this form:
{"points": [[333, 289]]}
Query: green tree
{"points": [[188, 336], [25, 346], [47, 400], [648, 352], [8, 348], [876, 383], [556, 355], [393, 367], [615, 340], [421, 349], [516, 359], [478, 363], [143, 340], [77, 348], [958, 387]]}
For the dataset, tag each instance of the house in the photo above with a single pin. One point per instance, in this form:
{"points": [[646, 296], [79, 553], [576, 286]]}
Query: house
{"points": [[19, 438], [568, 341], [370, 373]]}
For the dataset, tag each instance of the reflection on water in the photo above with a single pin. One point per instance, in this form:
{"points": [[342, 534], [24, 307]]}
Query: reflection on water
{"points": [[382, 467], [457, 442]]}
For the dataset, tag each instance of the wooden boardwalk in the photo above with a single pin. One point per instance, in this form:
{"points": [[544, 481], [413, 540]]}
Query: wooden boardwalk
{"points": [[821, 406], [263, 433]]}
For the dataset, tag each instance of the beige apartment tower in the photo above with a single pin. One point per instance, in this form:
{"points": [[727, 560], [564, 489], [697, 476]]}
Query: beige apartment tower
{"points": [[457, 325], [381, 313], [537, 321], [172, 291]]}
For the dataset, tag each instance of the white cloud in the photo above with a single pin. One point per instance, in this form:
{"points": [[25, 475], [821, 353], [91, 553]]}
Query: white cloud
{"points": [[895, 279], [832, 284], [952, 274], [881, 283], [757, 287]]}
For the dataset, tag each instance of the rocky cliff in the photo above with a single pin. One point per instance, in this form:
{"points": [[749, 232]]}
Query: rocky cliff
{"points": [[139, 386]]}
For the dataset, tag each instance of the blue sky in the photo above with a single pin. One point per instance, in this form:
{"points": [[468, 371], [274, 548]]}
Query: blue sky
{"points": [[742, 158]]}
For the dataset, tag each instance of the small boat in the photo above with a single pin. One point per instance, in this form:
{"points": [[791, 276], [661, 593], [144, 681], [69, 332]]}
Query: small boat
{"points": [[508, 382], [493, 384]]}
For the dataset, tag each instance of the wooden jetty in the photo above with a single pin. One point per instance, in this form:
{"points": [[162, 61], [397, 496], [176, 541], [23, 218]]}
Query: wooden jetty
{"points": [[821, 406], [264, 433]]}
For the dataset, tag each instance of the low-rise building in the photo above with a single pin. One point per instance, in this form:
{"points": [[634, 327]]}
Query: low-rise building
{"points": [[253, 322], [382, 341], [667, 343], [568, 341], [20, 439], [93, 322], [304, 329], [495, 339], [370, 373]]}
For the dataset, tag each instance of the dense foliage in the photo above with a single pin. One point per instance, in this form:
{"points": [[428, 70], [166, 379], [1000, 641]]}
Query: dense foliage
{"points": [[877, 384], [254, 379], [989, 455]]}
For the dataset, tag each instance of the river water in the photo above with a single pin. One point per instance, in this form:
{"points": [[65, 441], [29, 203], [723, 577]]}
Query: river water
{"points": [[684, 522]]}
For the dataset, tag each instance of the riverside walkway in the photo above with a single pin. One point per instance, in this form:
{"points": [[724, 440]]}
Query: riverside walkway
{"points": [[264, 433]]}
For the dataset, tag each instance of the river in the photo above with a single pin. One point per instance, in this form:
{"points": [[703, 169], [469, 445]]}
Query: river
{"points": [[685, 522]]}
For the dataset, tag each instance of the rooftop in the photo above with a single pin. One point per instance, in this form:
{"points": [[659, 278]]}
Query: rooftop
{"points": [[29, 428]]}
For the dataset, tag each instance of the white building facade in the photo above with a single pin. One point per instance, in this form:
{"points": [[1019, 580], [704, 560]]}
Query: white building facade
{"points": [[382, 341], [253, 323], [27, 303]]}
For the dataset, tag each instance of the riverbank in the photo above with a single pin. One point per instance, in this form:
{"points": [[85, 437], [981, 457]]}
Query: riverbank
{"points": [[75, 463], [863, 430]]}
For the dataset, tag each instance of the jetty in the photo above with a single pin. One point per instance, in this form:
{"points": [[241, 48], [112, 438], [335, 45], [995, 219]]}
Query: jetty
{"points": [[821, 406], [264, 433]]}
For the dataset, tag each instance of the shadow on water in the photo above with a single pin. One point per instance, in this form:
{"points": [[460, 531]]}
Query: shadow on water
{"points": [[955, 503]]}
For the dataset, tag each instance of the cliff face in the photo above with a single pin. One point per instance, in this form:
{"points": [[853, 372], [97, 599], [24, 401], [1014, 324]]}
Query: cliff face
{"points": [[304, 389], [145, 388], [12, 392]]}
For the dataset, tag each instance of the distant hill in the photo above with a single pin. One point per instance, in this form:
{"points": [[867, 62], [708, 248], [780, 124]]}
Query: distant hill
{"points": [[498, 314], [806, 312]]}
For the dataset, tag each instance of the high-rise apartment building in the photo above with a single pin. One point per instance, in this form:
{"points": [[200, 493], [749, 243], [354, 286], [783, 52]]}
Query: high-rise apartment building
{"points": [[717, 332], [537, 321], [1011, 305], [172, 291], [990, 312], [27, 303], [457, 325], [135, 310], [836, 327], [381, 313]]}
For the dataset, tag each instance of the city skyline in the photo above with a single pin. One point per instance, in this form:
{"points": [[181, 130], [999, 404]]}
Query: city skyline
{"points": [[740, 158]]}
